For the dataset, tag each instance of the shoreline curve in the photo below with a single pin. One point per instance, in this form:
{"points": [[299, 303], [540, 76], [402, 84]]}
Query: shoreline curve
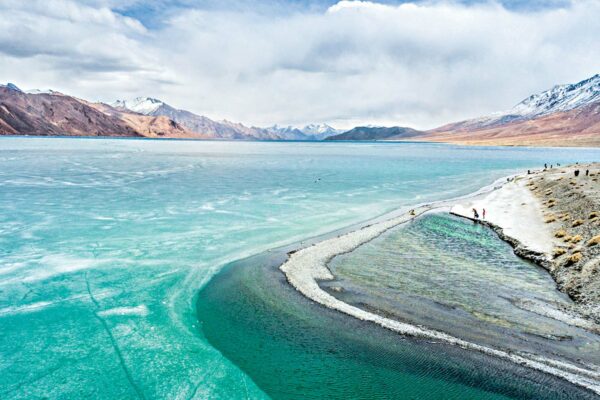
{"points": [[304, 268]]}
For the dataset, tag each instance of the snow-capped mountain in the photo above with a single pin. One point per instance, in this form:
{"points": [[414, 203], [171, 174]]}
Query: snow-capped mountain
{"points": [[560, 98], [12, 86], [566, 115], [42, 91], [195, 123], [142, 105], [222, 129], [308, 132], [49, 113]]}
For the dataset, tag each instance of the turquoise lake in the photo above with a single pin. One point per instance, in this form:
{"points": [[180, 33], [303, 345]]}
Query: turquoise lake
{"points": [[108, 247]]}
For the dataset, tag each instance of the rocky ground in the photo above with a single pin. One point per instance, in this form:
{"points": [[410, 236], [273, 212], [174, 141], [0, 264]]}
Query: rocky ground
{"points": [[571, 206]]}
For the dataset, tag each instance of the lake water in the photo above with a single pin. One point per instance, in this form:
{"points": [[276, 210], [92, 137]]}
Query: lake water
{"points": [[104, 245]]}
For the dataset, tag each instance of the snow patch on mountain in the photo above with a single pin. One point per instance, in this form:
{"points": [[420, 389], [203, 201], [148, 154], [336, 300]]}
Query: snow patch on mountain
{"points": [[42, 91], [141, 105], [308, 132], [558, 99]]}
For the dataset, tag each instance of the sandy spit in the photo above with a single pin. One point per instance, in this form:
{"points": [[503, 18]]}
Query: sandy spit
{"points": [[305, 267]]}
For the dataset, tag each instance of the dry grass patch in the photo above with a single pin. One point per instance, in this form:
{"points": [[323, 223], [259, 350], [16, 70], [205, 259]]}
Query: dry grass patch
{"points": [[576, 239], [560, 233], [577, 222], [594, 241], [550, 218], [574, 259], [559, 251], [594, 214], [565, 217]]}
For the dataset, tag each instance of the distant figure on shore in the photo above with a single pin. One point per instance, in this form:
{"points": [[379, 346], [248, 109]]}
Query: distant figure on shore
{"points": [[576, 172], [587, 172], [412, 212], [550, 166], [545, 166], [528, 172], [475, 214], [483, 213]]}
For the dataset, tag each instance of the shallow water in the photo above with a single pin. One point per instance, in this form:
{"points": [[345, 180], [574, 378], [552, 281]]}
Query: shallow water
{"points": [[104, 244], [458, 277]]}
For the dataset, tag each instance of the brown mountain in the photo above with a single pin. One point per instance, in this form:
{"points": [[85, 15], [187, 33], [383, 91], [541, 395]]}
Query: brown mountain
{"points": [[566, 115], [201, 124], [53, 114], [577, 127]]}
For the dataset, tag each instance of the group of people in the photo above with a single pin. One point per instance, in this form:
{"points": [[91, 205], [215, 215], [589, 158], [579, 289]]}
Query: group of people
{"points": [[551, 165], [587, 172], [476, 214]]}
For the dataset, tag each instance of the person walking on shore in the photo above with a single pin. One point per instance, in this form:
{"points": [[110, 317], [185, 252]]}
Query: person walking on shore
{"points": [[475, 214], [483, 213]]}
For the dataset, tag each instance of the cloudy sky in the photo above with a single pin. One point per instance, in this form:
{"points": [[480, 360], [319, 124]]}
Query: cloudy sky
{"points": [[419, 64]]}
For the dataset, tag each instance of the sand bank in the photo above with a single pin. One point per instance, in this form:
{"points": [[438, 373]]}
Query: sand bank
{"points": [[517, 211], [304, 268]]}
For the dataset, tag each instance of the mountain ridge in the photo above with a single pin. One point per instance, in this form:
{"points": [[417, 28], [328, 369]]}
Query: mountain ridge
{"points": [[55, 114], [221, 129], [377, 133], [564, 115], [559, 98]]}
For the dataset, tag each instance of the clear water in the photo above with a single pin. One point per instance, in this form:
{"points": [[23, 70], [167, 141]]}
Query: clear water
{"points": [[453, 275], [104, 245]]}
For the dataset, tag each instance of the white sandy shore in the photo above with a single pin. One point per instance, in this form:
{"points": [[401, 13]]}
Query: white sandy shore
{"points": [[307, 266], [517, 211]]}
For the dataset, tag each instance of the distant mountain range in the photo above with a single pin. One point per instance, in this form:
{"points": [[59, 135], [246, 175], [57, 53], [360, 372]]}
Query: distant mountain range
{"points": [[377, 133], [565, 115], [50, 113], [222, 129]]}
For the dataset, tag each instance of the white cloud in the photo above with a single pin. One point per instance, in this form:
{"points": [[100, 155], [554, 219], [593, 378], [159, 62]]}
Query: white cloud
{"points": [[357, 62]]}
